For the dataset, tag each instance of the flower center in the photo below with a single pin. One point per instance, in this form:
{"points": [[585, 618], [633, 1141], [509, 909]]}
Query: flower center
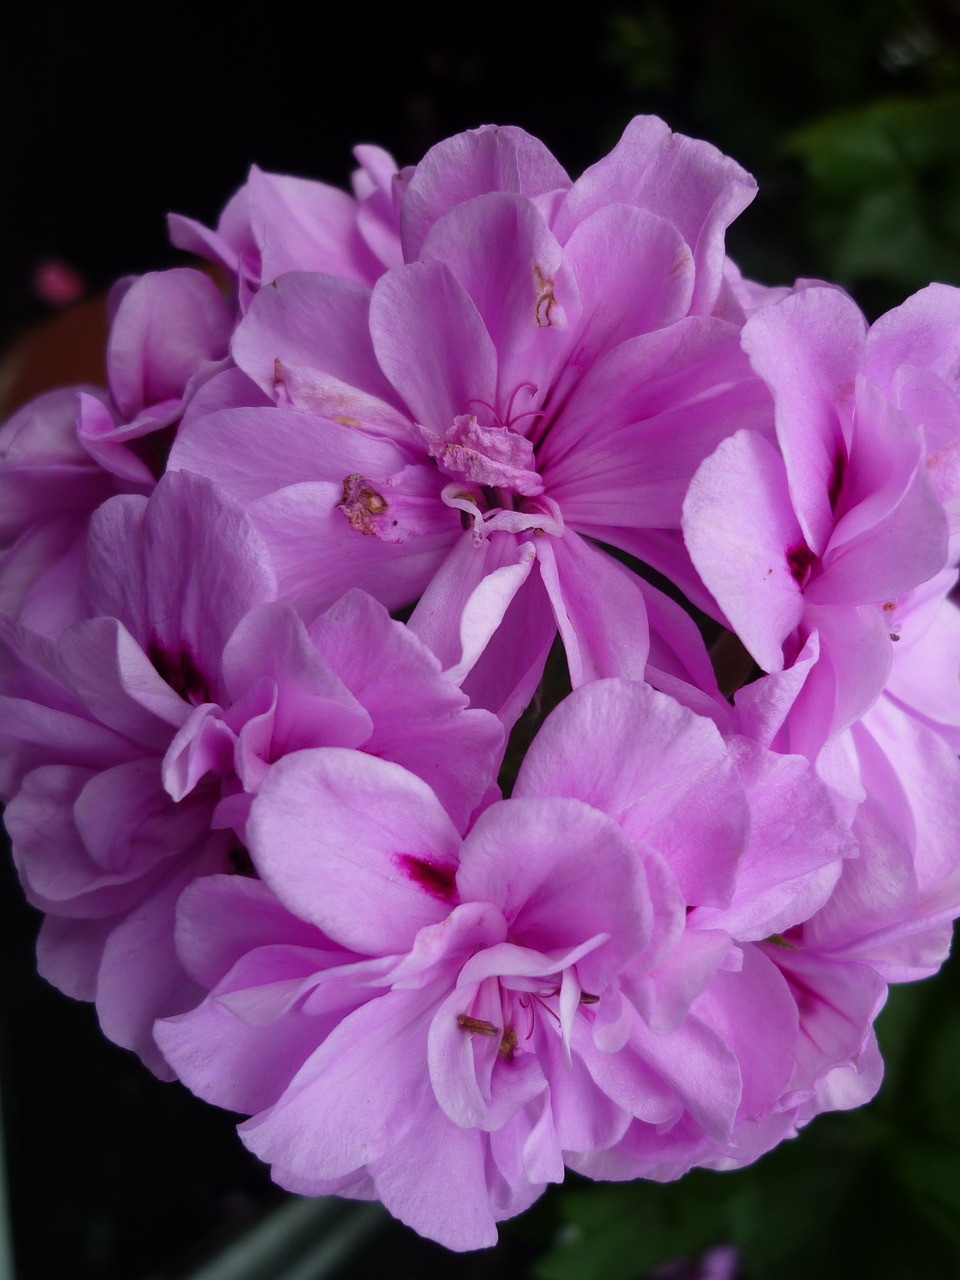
{"points": [[494, 457]]}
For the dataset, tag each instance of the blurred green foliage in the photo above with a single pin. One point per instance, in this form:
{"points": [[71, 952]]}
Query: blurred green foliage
{"points": [[883, 191], [848, 115]]}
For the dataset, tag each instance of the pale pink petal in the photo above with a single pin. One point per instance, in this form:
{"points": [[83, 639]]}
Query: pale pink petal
{"points": [[515, 273], [221, 918], [837, 1004], [516, 857], [808, 349], [635, 274], [471, 164], [180, 571], [432, 343], [167, 323], [363, 1092], [69, 954], [797, 843], [301, 225], [115, 681], [599, 609], [319, 554], [55, 866], [318, 325], [755, 1015], [921, 332], [743, 550], [314, 707], [688, 182], [641, 420], [140, 977], [329, 826], [253, 452], [484, 610], [418, 717], [678, 793]]}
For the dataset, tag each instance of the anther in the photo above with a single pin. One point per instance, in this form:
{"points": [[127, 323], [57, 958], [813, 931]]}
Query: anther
{"points": [[476, 1026]]}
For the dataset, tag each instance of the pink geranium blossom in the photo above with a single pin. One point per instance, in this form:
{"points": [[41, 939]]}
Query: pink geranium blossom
{"points": [[843, 520], [275, 224], [542, 371], [263, 817], [896, 774], [573, 982], [133, 744], [70, 450]]}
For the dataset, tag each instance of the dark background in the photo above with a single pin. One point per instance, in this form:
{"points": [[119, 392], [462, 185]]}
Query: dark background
{"points": [[850, 121]]}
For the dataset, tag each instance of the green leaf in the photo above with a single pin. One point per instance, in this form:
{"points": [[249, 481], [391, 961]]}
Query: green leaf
{"points": [[883, 187]]}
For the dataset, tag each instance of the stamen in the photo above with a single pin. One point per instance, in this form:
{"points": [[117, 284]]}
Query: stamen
{"points": [[487, 405], [476, 1026], [361, 503], [523, 386], [530, 413]]}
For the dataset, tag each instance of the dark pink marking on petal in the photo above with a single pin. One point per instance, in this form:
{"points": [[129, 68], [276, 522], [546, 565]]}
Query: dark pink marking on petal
{"points": [[836, 480], [181, 672], [438, 881], [799, 560]]}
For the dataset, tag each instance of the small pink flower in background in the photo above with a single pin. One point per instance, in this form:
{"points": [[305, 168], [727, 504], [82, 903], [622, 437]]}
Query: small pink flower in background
{"points": [[58, 284]]}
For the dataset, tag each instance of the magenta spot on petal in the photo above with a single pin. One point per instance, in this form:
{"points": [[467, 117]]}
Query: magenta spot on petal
{"points": [[181, 672], [836, 480], [439, 882], [799, 560]]}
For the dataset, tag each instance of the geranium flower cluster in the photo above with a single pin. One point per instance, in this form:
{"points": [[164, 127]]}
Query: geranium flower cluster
{"points": [[521, 414]]}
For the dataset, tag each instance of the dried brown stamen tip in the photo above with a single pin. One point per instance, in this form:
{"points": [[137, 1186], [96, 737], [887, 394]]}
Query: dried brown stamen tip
{"points": [[476, 1026]]}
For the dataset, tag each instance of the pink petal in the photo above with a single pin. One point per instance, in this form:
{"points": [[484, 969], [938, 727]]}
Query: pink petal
{"points": [[612, 252], [742, 550], [921, 332], [808, 349], [331, 827], [515, 273], [167, 323], [431, 343], [314, 708], [599, 609], [471, 164], [419, 718], [677, 791], [317, 325], [795, 835], [222, 917], [687, 182], [180, 570], [302, 225], [516, 857]]}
